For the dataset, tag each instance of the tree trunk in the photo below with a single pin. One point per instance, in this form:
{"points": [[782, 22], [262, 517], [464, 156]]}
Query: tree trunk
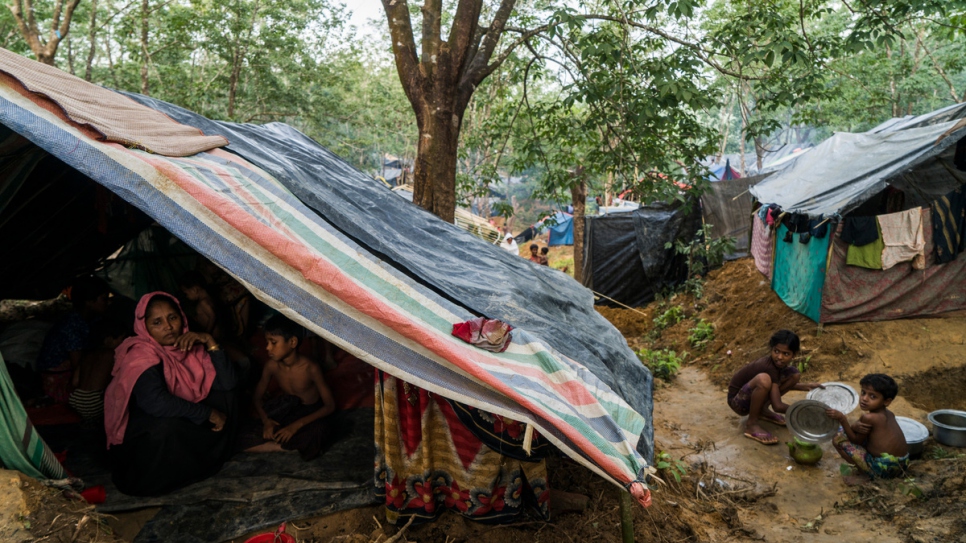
{"points": [[578, 194], [144, 47], [93, 39], [434, 173]]}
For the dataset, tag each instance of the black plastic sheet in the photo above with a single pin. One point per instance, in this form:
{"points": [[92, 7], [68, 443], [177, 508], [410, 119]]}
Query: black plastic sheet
{"points": [[625, 257]]}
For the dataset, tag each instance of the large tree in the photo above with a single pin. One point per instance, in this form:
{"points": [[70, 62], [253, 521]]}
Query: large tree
{"points": [[764, 46]]}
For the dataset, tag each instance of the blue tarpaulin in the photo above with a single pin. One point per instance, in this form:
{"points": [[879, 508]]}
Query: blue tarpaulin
{"points": [[562, 233]]}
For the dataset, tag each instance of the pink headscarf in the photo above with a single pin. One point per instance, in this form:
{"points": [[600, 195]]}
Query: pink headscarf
{"points": [[188, 374]]}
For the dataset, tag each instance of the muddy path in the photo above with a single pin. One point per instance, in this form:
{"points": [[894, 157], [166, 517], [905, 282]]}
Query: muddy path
{"points": [[694, 424]]}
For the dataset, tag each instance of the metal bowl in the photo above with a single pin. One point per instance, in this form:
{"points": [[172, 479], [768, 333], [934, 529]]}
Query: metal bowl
{"points": [[806, 420], [915, 433], [949, 427]]}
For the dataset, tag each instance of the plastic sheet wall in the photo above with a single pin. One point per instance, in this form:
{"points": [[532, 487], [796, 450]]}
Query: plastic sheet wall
{"points": [[625, 256]]}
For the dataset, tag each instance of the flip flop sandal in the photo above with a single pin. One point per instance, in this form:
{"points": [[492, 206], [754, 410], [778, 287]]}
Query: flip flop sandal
{"points": [[778, 419], [762, 437]]}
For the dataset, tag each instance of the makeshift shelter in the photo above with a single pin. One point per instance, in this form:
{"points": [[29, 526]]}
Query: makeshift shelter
{"points": [[317, 240], [560, 225], [911, 166], [727, 206], [723, 172], [625, 258]]}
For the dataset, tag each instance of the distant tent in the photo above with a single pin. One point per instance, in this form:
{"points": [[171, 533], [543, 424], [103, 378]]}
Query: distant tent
{"points": [[560, 225], [723, 172], [625, 258], [903, 165], [562, 229]]}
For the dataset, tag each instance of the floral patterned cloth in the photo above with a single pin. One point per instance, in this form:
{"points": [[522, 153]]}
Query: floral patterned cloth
{"points": [[428, 461]]}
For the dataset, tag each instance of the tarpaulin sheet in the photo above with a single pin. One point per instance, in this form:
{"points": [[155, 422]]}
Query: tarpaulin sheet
{"points": [[562, 233], [799, 272], [847, 169], [625, 256], [858, 294], [455, 264], [726, 206]]}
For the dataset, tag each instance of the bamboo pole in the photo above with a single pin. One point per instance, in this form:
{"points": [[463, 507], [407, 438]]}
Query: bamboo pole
{"points": [[627, 518]]}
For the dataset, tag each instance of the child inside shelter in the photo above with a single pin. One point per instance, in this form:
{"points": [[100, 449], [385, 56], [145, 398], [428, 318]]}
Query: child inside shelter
{"points": [[298, 418]]}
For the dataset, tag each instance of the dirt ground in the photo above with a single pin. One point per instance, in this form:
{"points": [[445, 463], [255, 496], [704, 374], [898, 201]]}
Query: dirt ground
{"points": [[734, 489], [30, 511]]}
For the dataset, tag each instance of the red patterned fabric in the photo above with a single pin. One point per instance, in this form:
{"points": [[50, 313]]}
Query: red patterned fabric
{"points": [[857, 294], [428, 461], [762, 246]]}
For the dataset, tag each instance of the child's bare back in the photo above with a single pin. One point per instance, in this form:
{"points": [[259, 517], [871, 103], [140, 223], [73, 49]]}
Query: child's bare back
{"points": [[885, 436]]}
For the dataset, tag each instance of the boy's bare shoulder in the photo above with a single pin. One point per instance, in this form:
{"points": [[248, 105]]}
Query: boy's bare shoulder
{"points": [[873, 418]]}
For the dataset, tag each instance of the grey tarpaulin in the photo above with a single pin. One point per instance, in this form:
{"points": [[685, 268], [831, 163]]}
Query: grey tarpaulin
{"points": [[625, 256], [726, 206], [470, 272], [847, 169]]}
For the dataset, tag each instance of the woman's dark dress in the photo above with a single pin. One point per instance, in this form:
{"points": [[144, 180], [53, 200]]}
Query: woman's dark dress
{"points": [[169, 443]]}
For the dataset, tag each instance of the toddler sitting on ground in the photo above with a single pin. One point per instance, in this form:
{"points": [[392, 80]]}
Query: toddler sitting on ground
{"points": [[875, 444]]}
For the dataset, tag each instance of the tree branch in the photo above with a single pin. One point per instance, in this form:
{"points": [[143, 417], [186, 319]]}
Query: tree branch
{"points": [[432, 22], [404, 52], [479, 69], [463, 35]]}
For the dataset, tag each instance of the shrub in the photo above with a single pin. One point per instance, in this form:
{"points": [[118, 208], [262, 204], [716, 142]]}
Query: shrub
{"points": [[701, 335], [663, 364], [672, 316], [664, 462]]}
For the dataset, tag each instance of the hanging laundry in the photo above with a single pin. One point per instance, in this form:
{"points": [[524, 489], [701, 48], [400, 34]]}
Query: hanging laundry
{"points": [[949, 225], [860, 231], [762, 247], [866, 256], [903, 239], [818, 228], [771, 219]]}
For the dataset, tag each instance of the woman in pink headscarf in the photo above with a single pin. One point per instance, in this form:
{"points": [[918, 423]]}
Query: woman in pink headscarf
{"points": [[169, 412]]}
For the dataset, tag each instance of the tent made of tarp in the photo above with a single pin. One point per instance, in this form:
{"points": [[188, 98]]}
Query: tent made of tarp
{"points": [[560, 225], [317, 240], [726, 206], [903, 165], [723, 172], [625, 258]]}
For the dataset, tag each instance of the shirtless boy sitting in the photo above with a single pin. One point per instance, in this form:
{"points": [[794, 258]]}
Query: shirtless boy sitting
{"points": [[875, 444], [757, 388], [296, 419]]}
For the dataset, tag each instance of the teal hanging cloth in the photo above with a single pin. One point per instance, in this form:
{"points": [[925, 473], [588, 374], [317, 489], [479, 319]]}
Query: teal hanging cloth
{"points": [[799, 272]]}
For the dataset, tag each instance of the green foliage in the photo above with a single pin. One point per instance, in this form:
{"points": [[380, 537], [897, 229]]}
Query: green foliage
{"points": [[802, 363], [669, 317], [703, 253], [701, 335], [664, 462], [664, 364], [939, 453], [908, 487]]}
